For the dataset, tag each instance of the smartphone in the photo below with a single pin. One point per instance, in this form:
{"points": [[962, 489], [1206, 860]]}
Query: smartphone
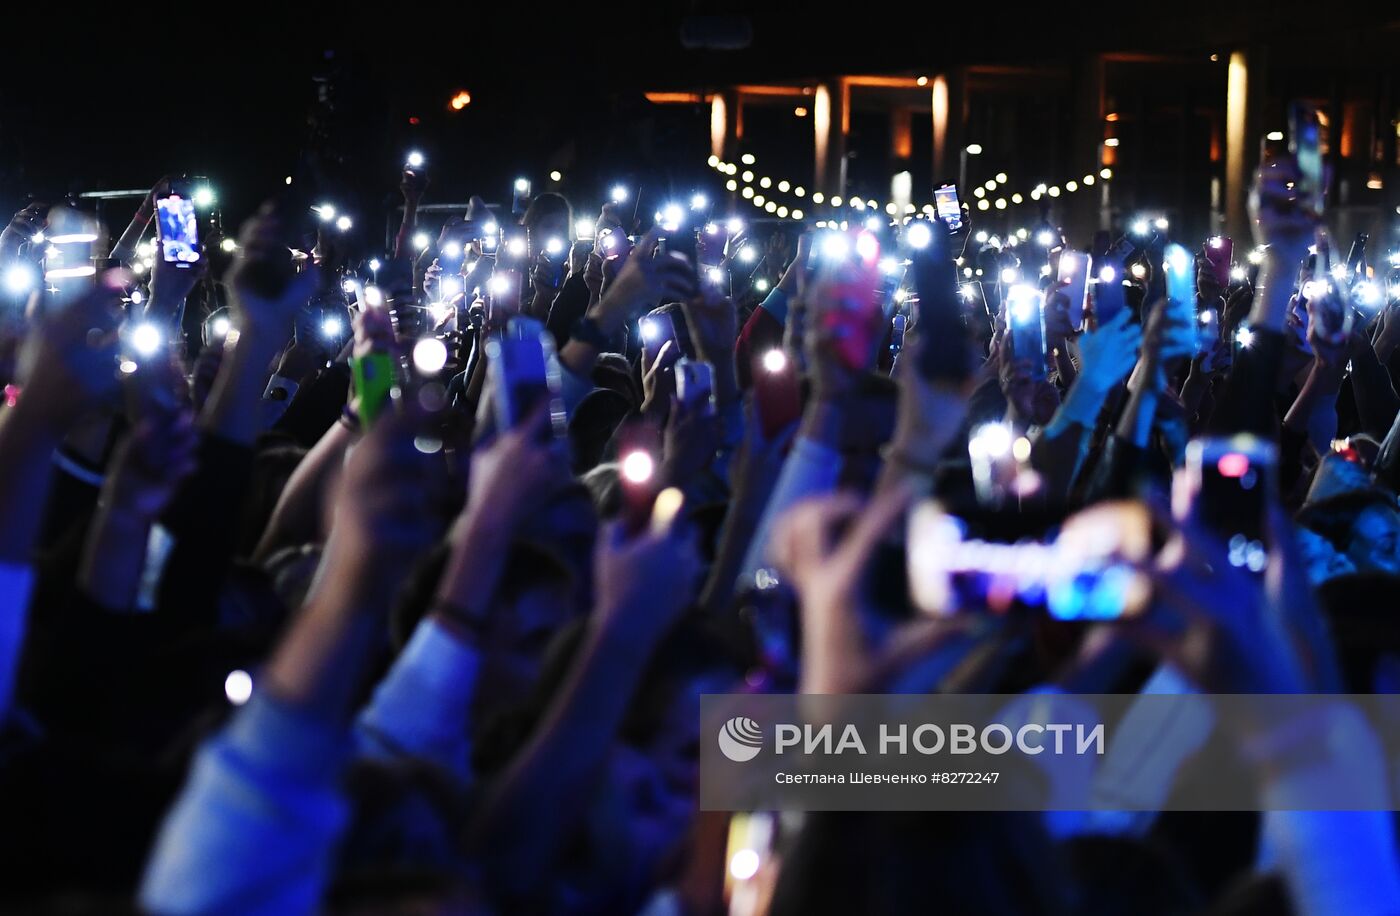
{"points": [[1180, 269], [777, 391], [898, 326], [613, 243], [853, 274], [177, 227], [1207, 333], [695, 385], [515, 244], [1229, 484], [524, 373], [1025, 312], [1073, 282], [945, 201], [710, 240], [655, 329], [555, 252], [520, 196], [1220, 254], [1109, 299], [373, 378], [505, 289], [1305, 143]]}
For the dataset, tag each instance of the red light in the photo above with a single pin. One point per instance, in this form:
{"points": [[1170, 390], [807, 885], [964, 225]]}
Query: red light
{"points": [[1233, 465], [413, 121]]}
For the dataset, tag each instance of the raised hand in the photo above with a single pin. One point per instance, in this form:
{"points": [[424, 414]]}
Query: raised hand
{"points": [[68, 363], [644, 282]]}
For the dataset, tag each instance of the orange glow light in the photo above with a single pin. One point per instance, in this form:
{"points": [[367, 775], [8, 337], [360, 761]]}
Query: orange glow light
{"points": [[460, 100]]}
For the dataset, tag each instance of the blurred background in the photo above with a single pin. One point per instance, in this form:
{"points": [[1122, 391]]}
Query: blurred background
{"points": [[1032, 105]]}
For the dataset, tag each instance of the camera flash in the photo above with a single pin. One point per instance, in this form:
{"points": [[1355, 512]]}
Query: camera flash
{"points": [[584, 228], [919, 235], [775, 360], [415, 160], [238, 687], [203, 197], [735, 226], [220, 326], [619, 194], [145, 339], [716, 275], [19, 279], [326, 212], [699, 202], [429, 356], [637, 467], [332, 327], [344, 223], [522, 185], [421, 241]]}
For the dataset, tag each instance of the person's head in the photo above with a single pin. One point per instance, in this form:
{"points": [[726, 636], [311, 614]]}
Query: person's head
{"points": [[549, 216], [1363, 525], [592, 425]]}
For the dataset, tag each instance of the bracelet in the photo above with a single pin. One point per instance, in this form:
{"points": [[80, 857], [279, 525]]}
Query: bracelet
{"points": [[350, 418]]}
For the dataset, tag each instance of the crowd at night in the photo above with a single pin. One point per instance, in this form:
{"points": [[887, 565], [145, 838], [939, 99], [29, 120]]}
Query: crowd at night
{"points": [[360, 571]]}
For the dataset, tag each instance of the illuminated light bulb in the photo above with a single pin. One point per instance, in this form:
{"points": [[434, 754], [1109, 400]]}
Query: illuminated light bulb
{"points": [[619, 194], [797, 214], [867, 247], [765, 182], [1036, 195], [782, 212], [637, 467], [1053, 191], [747, 192], [460, 100], [145, 339], [969, 291], [429, 356], [759, 200], [1071, 186], [983, 205], [415, 160], [731, 185], [771, 206], [332, 327], [1088, 180], [974, 149], [817, 197], [1316, 289], [994, 241], [922, 81], [1339, 271], [204, 197], [1206, 316], [919, 235], [699, 201], [747, 159], [374, 296], [784, 186], [1001, 203], [1105, 174], [712, 161], [747, 177], [858, 203], [976, 192], [556, 176], [1016, 198], [800, 191], [490, 228], [1274, 135], [836, 200], [775, 361], [238, 687]]}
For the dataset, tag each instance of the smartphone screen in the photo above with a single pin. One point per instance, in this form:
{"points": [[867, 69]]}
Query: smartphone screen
{"points": [[945, 199], [1108, 292], [178, 228], [1180, 269], [1074, 284], [655, 330], [524, 373], [1025, 311], [695, 384]]}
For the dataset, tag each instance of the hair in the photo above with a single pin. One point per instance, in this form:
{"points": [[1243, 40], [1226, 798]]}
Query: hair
{"points": [[591, 427], [1363, 628], [546, 205], [1334, 516]]}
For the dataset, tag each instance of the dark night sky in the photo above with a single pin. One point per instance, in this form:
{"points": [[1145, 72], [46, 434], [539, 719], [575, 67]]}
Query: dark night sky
{"points": [[232, 105]]}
